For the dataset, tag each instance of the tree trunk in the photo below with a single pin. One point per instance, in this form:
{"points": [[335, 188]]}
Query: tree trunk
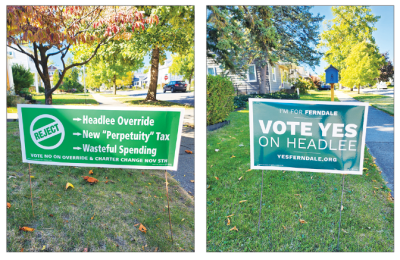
{"points": [[358, 88], [115, 84], [190, 79], [262, 89], [264, 69], [48, 95], [151, 94]]}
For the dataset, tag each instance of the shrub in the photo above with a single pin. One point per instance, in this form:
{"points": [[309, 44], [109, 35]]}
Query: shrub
{"points": [[41, 89], [220, 93], [24, 91], [240, 101], [22, 77], [304, 85]]}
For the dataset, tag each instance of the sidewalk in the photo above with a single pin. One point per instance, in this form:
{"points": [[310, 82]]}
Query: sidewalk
{"points": [[185, 172], [379, 139]]}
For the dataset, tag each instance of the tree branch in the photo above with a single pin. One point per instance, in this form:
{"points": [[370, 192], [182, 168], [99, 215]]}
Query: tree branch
{"points": [[55, 53]]}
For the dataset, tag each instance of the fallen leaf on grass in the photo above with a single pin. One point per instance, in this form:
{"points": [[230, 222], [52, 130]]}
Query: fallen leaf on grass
{"points": [[69, 185], [233, 156], [191, 180], [90, 179], [248, 170], [131, 203], [32, 177], [106, 182], [27, 229], [344, 231], [216, 178], [376, 188], [365, 169], [8, 205], [135, 225], [230, 216], [234, 228], [302, 221], [341, 209], [188, 151], [229, 222], [296, 194], [92, 217], [43, 248], [142, 228], [300, 205], [51, 215], [183, 219], [90, 172], [242, 201], [22, 250], [374, 180], [240, 178], [283, 227]]}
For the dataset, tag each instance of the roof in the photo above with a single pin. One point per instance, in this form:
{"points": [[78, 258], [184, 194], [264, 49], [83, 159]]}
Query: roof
{"points": [[331, 67]]}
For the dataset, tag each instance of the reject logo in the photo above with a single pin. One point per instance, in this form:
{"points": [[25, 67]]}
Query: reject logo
{"points": [[54, 131]]}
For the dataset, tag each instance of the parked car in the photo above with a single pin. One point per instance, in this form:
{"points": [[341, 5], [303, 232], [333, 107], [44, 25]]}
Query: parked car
{"points": [[325, 87], [175, 86]]}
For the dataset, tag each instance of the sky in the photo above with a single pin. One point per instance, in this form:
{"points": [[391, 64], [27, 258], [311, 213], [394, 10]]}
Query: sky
{"points": [[384, 35]]}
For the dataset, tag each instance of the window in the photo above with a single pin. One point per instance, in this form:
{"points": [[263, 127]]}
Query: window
{"points": [[251, 73], [273, 75], [212, 71]]}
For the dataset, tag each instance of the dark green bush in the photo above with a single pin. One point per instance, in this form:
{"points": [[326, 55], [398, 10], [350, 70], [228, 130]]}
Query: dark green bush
{"points": [[41, 89], [240, 101], [22, 77], [220, 93]]}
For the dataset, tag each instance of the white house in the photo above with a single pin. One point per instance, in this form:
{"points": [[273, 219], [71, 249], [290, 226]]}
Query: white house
{"points": [[16, 57], [143, 79]]}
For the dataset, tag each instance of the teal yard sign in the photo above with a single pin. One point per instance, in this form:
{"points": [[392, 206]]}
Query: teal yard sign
{"points": [[141, 138], [307, 136]]}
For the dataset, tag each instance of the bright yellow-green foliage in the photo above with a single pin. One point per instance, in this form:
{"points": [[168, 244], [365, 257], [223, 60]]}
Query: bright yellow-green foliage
{"points": [[350, 25], [183, 65], [362, 65], [56, 77]]}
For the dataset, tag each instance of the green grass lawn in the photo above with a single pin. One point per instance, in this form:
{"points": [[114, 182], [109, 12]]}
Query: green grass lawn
{"points": [[232, 189], [68, 99], [142, 103], [12, 110], [318, 95], [99, 217], [380, 102]]}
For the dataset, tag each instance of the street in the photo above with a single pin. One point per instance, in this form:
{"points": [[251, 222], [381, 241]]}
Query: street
{"points": [[177, 97]]}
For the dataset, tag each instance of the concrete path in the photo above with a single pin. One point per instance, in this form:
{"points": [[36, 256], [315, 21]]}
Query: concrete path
{"points": [[379, 139], [185, 173]]}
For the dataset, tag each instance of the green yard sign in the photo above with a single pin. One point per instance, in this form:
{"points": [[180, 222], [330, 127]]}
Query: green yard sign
{"points": [[307, 136], [141, 138]]}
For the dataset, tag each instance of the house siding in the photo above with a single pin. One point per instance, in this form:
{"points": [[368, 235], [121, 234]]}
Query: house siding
{"points": [[242, 86]]}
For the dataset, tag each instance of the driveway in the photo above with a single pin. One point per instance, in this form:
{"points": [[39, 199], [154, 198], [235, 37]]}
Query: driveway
{"points": [[186, 98]]}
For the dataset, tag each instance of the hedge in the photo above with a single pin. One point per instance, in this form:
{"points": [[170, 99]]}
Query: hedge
{"points": [[220, 93], [240, 101]]}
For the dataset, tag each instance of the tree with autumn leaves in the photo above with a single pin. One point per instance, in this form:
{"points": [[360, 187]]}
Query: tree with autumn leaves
{"points": [[53, 30]]}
